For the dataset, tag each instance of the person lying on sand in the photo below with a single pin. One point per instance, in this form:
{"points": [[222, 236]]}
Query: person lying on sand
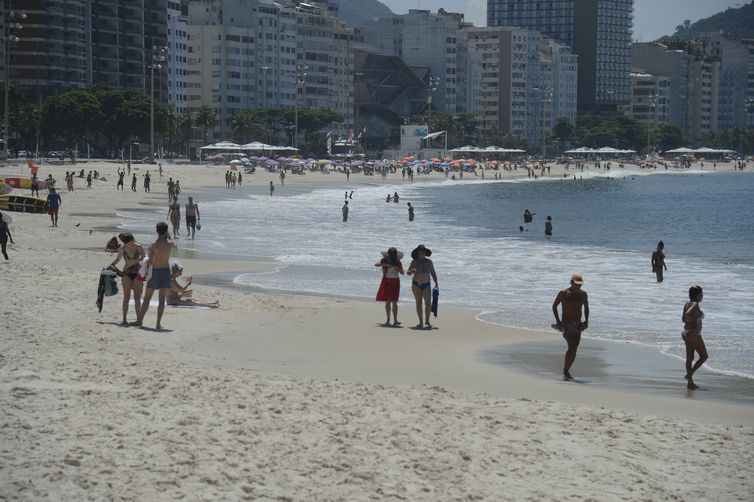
{"points": [[181, 295]]}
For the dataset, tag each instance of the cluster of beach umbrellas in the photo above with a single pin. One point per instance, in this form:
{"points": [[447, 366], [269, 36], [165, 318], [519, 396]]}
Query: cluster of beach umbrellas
{"points": [[702, 150]]}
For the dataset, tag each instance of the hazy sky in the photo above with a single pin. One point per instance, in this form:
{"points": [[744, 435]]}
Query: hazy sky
{"points": [[652, 18]]}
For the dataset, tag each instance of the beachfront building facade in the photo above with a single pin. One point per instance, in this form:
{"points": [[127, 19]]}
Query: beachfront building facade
{"points": [[599, 33], [77, 43], [175, 66], [425, 39], [658, 60], [650, 99], [703, 90], [250, 54], [528, 81], [736, 60]]}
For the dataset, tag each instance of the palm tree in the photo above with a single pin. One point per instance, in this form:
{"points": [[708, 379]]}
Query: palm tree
{"points": [[185, 124], [205, 117]]}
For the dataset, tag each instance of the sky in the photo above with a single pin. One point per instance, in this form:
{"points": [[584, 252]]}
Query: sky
{"points": [[652, 18]]}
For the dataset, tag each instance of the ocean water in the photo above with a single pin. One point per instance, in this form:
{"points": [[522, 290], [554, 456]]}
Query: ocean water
{"points": [[605, 226]]}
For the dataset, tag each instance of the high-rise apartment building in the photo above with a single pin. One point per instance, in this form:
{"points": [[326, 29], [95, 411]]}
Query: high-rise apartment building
{"points": [[599, 33], [78, 43], [658, 60], [175, 67], [650, 99], [423, 38], [528, 81], [246, 54]]}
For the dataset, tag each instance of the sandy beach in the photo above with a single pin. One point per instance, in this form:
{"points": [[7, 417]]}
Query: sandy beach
{"points": [[293, 397]]}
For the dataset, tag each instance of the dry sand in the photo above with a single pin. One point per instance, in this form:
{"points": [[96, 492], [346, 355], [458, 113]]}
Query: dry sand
{"points": [[287, 397]]}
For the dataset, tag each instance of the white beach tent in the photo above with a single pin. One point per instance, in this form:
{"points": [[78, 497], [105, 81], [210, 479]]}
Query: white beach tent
{"points": [[682, 150], [581, 150]]}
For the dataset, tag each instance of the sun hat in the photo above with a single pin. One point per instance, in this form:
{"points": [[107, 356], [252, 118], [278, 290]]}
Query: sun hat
{"points": [[420, 247], [386, 254], [577, 278], [177, 265]]}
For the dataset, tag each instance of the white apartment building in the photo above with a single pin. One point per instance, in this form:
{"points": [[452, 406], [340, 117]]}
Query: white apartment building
{"points": [[176, 64], [246, 54], [650, 99], [528, 81]]}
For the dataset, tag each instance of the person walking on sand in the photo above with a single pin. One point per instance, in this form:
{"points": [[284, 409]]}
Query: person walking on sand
{"points": [[272, 188], [132, 253], [147, 182], [390, 286], [159, 260], [174, 215], [573, 299], [548, 226], [422, 269], [658, 261], [345, 212], [134, 179], [692, 334], [410, 212], [192, 215], [282, 176], [171, 189], [4, 236], [53, 206]]}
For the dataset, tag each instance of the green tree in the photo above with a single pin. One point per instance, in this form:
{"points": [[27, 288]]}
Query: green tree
{"points": [[563, 132], [205, 118], [669, 137], [71, 117]]}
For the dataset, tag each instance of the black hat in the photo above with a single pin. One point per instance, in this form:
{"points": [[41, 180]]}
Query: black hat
{"points": [[420, 247]]}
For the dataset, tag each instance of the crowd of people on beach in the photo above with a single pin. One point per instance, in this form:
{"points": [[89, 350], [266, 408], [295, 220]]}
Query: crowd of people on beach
{"points": [[150, 270]]}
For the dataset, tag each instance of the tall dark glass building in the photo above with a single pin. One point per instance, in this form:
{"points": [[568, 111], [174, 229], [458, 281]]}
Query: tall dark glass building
{"points": [[599, 32]]}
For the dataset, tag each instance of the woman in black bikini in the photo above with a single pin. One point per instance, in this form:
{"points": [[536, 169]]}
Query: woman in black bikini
{"points": [[692, 334], [132, 253], [422, 269]]}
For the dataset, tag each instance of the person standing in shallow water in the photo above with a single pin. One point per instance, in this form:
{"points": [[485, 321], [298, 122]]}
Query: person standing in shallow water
{"points": [[692, 334], [345, 212], [174, 215], [390, 286], [573, 300], [410, 212], [658, 261], [422, 269], [548, 226]]}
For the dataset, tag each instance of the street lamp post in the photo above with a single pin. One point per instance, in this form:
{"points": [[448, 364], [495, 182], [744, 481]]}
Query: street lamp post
{"points": [[300, 80], [9, 37], [432, 85], [265, 69], [650, 119], [158, 56]]}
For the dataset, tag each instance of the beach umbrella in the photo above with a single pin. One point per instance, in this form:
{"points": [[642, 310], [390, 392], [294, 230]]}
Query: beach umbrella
{"points": [[270, 162]]}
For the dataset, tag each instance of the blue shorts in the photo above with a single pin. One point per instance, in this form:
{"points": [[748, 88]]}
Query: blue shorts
{"points": [[160, 278]]}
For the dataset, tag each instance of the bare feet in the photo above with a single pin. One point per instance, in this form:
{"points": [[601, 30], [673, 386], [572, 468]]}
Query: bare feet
{"points": [[567, 376], [159, 326], [420, 326], [692, 386], [397, 323]]}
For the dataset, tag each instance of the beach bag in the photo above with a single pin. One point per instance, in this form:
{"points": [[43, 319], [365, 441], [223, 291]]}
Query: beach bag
{"points": [[111, 285]]}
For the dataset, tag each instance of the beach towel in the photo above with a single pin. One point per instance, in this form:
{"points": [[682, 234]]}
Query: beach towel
{"points": [[435, 299], [107, 285], [145, 270]]}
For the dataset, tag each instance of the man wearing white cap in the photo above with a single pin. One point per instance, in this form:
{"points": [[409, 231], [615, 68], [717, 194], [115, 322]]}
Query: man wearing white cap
{"points": [[573, 299]]}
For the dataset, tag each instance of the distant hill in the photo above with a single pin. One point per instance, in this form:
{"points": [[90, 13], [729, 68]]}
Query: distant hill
{"points": [[738, 22], [356, 12]]}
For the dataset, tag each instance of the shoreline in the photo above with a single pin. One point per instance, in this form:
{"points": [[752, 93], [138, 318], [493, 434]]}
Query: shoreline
{"points": [[293, 397]]}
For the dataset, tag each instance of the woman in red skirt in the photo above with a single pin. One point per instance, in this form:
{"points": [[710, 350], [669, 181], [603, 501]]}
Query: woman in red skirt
{"points": [[390, 287]]}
